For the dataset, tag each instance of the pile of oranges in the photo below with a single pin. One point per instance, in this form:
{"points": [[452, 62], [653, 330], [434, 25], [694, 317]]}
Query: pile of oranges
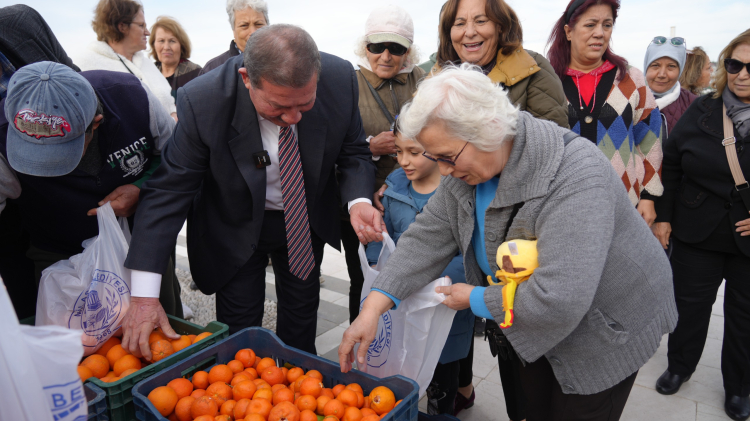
{"points": [[112, 362], [252, 388]]}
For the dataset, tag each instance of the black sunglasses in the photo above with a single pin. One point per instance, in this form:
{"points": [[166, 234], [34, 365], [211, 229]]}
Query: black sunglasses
{"points": [[735, 66], [676, 41], [392, 47]]}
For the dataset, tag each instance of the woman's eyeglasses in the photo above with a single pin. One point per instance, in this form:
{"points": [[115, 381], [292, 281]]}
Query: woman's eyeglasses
{"points": [[392, 47], [735, 66], [676, 41], [451, 162]]}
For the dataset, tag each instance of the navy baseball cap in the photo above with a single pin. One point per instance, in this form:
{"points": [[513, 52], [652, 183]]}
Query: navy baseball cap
{"points": [[48, 108]]}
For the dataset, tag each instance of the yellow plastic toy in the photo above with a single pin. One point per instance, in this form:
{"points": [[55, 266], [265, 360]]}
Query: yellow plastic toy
{"points": [[517, 260]]}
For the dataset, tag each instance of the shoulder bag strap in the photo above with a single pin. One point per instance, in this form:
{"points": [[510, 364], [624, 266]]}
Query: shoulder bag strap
{"points": [[383, 108], [740, 184]]}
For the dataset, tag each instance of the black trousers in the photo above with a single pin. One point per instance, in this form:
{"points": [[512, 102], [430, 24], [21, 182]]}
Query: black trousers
{"points": [[515, 398], [351, 253], [547, 402], [697, 276], [239, 303], [441, 394]]}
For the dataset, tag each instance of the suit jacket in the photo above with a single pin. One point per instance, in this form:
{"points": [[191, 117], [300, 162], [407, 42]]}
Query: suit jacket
{"points": [[698, 185], [209, 164]]}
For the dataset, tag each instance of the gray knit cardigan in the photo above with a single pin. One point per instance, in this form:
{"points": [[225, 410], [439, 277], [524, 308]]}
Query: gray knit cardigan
{"points": [[602, 296]]}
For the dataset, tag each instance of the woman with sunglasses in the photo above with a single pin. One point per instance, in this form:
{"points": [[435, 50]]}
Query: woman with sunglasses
{"points": [[707, 216], [664, 63], [609, 102], [594, 310]]}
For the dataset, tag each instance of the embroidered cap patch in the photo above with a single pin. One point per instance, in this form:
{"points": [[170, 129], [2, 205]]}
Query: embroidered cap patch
{"points": [[41, 125]]}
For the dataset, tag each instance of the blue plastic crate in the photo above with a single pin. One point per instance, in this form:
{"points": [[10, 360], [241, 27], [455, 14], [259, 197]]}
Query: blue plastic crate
{"points": [[97, 404], [266, 344]]}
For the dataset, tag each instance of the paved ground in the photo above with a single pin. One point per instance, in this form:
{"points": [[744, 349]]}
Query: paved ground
{"points": [[700, 399]]}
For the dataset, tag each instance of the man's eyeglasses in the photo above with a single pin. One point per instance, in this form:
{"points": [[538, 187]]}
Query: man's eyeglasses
{"points": [[451, 162], [392, 47], [676, 41], [735, 66]]}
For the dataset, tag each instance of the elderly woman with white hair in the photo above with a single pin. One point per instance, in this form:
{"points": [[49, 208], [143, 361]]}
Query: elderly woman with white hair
{"points": [[245, 17], [594, 310]]}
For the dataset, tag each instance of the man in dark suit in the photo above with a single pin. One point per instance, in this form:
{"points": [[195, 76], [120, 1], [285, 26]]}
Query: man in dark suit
{"points": [[242, 148]]}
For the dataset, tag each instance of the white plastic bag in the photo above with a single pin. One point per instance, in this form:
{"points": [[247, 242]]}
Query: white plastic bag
{"points": [[410, 339], [90, 291], [38, 365]]}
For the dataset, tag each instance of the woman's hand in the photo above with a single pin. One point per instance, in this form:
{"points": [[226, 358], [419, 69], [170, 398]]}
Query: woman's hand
{"points": [[743, 227], [456, 295], [662, 231], [646, 209], [363, 331]]}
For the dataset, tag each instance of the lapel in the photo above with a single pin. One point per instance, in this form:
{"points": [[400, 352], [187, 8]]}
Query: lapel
{"points": [[311, 136], [245, 143]]}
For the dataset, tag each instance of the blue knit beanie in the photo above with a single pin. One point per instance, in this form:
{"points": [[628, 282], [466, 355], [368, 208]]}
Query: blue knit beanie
{"points": [[675, 52]]}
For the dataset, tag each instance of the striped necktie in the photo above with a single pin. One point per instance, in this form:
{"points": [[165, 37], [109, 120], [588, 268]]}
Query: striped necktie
{"points": [[299, 245]]}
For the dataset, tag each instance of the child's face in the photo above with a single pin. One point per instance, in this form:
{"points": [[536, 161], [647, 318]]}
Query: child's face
{"points": [[415, 165]]}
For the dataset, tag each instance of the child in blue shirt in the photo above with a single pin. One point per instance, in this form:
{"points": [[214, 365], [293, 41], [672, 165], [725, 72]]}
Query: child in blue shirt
{"points": [[409, 189]]}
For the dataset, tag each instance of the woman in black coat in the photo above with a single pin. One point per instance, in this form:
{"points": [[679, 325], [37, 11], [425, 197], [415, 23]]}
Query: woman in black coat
{"points": [[710, 228]]}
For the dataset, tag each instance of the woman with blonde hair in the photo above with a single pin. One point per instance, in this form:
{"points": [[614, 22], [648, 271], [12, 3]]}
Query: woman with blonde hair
{"points": [[170, 47], [698, 69]]}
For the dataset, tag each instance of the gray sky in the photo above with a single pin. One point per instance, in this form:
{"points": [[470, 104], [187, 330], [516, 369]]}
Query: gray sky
{"points": [[337, 24]]}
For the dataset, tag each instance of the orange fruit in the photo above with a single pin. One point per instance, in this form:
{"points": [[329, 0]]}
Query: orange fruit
{"points": [[235, 366], [307, 415], [334, 407], [272, 375], [330, 418], [109, 379], [355, 387], [298, 382], [201, 337], [160, 350], [284, 411], [322, 401], [220, 373], [192, 338], [352, 414], [382, 400], [182, 409], [156, 335], [200, 380], [279, 386], [244, 390], [197, 393], [128, 372], [259, 406], [373, 417], [348, 397], [98, 365], [361, 400], [164, 399], [311, 386], [126, 363], [182, 343], [255, 417], [227, 408], [293, 374], [183, 387], [84, 372], [115, 353], [253, 373], [265, 363], [368, 411], [306, 402], [366, 404], [327, 392], [204, 406], [286, 372], [337, 389], [205, 418], [221, 417], [246, 357], [266, 394], [262, 384], [220, 392], [283, 395], [314, 373], [240, 409], [239, 377], [107, 345], [398, 402]]}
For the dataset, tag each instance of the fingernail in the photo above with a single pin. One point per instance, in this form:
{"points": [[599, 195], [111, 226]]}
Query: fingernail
{"points": [[361, 360]]}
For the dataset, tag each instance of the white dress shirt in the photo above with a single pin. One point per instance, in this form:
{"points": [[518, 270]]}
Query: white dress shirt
{"points": [[148, 284]]}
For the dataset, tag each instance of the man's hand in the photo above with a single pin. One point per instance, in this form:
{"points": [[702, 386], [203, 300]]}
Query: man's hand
{"points": [[456, 295], [124, 201], [647, 211], [367, 222], [376, 199], [662, 231], [143, 315], [383, 144]]}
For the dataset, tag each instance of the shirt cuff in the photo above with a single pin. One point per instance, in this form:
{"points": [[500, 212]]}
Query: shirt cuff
{"points": [[395, 300], [360, 200], [478, 306], [374, 157], [144, 284]]}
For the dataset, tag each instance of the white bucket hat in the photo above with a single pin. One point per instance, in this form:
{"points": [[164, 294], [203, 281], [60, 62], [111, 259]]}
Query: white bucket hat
{"points": [[390, 23]]}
